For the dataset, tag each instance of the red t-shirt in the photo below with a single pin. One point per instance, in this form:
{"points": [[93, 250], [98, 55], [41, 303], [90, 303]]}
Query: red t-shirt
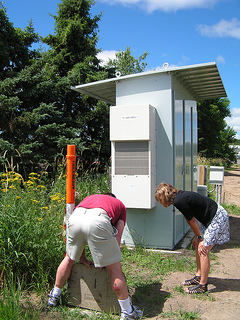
{"points": [[113, 206]]}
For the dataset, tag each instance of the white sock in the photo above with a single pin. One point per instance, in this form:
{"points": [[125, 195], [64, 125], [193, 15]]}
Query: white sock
{"points": [[125, 305], [57, 291]]}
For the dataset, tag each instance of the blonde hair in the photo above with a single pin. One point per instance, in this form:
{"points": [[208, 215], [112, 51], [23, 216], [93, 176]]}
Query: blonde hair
{"points": [[166, 192]]}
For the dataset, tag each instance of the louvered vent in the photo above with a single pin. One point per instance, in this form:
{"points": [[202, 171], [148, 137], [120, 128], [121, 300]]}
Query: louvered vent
{"points": [[132, 158]]}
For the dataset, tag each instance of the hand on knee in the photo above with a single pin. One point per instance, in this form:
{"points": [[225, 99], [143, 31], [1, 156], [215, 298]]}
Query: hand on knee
{"points": [[202, 250]]}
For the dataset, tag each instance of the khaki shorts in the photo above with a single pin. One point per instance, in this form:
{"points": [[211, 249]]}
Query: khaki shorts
{"points": [[92, 227]]}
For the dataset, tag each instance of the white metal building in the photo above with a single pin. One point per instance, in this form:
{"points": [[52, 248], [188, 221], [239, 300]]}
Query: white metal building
{"points": [[153, 133]]}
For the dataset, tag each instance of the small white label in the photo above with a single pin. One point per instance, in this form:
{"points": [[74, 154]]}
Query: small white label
{"points": [[129, 117]]}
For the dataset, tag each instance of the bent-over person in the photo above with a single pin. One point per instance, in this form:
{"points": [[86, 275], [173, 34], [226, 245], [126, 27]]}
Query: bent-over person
{"points": [[214, 229]]}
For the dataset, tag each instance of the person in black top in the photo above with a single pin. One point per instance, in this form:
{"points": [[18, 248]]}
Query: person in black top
{"points": [[214, 230]]}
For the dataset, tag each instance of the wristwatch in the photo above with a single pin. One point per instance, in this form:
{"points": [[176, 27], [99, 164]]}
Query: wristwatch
{"points": [[199, 237]]}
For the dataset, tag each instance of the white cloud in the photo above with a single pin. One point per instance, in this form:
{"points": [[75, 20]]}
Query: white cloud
{"points": [[235, 112], [220, 59], [234, 120], [104, 56], [222, 29], [165, 5]]}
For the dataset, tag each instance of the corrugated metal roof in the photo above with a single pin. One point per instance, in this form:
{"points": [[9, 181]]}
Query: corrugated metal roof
{"points": [[203, 81]]}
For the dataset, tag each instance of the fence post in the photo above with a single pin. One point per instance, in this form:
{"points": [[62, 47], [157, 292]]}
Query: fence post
{"points": [[70, 182]]}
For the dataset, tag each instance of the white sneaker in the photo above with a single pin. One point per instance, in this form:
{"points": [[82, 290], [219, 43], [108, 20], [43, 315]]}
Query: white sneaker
{"points": [[53, 300], [135, 314]]}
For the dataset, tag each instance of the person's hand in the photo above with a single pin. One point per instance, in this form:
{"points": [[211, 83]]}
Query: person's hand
{"points": [[201, 249], [87, 262], [195, 243]]}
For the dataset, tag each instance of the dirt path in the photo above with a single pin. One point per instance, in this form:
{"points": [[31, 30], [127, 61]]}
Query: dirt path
{"points": [[223, 300], [231, 187]]}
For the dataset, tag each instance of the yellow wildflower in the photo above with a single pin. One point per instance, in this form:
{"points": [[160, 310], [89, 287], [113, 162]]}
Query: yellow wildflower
{"points": [[33, 200]]}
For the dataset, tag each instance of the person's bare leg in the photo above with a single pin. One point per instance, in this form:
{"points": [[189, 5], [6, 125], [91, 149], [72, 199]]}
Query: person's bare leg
{"points": [[118, 281], [198, 273], [203, 253], [205, 265], [63, 271]]}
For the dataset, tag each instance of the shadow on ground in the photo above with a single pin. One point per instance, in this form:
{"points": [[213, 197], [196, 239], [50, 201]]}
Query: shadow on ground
{"points": [[224, 284], [150, 298]]}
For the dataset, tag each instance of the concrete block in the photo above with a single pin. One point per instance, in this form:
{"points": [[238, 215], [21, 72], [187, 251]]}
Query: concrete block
{"points": [[91, 289]]}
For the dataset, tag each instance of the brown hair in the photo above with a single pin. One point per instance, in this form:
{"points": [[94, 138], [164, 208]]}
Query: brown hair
{"points": [[166, 192]]}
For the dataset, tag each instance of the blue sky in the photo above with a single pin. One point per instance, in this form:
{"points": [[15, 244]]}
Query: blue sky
{"points": [[179, 32]]}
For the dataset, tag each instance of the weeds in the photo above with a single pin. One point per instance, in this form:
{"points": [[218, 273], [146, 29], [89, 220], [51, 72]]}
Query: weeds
{"points": [[232, 209], [181, 315]]}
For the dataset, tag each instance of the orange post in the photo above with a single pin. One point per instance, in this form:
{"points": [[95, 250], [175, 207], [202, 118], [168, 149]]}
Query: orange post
{"points": [[70, 180]]}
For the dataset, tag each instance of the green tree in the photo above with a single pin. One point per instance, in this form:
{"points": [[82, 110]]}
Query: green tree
{"points": [[237, 142], [15, 45], [126, 63], [41, 114], [214, 136], [73, 56]]}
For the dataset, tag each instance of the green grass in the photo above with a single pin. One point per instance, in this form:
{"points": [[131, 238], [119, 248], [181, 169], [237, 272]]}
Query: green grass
{"points": [[181, 315], [232, 209], [148, 266], [11, 305]]}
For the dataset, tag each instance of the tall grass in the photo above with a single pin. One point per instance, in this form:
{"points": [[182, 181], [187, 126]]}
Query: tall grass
{"points": [[11, 306], [31, 243]]}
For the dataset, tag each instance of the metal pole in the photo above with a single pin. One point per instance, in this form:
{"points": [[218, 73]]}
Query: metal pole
{"points": [[220, 192], [70, 181]]}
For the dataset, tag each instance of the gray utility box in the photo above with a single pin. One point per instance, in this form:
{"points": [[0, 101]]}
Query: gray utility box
{"points": [[153, 133], [216, 175], [133, 139]]}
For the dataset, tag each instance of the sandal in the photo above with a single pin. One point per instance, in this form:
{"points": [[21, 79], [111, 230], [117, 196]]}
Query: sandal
{"points": [[201, 288], [194, 280]]}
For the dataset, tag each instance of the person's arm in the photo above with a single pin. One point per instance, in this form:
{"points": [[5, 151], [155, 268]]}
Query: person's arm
{"points": [[195, 228], [119, 226]]}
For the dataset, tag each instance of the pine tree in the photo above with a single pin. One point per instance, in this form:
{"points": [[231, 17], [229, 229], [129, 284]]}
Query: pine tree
{"points": [[41, 114]]}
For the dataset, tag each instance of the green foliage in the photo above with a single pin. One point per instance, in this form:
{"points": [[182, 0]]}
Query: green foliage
{"points": [[31, 224], [16, 52], [146, 266], [237, 142], [232, 209], [182, 315], [40, 114], [10, 303], [125, 62], [222, 162], [214, 135], [75, 36], [30, 229]]}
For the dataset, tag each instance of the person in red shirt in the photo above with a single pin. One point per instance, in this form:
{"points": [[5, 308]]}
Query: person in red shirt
{"points": [[98, 221]]}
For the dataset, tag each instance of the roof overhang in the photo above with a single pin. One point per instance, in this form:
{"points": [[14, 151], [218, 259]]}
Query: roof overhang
{"points": [[203, 81]]}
